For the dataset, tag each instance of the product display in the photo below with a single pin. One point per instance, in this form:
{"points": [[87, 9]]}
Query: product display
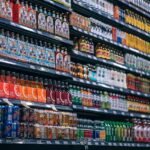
{"points": [[25, 123], [75, 74], [28, 88]]}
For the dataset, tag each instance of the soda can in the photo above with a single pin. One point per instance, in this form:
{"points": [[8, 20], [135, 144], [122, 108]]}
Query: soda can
{"points": [[31, 116], [2, 110], [8, 129], [8, 113], [31, 131], [15, 130], [16, 113], [26, 126], [1, 129], [21, 130], [24, 113]]}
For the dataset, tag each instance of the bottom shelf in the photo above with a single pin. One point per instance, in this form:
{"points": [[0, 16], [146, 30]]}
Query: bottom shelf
{"points": [[73, 142]]}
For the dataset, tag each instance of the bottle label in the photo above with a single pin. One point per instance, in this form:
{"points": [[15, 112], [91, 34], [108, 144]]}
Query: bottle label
{"points": [[50, 24], [41, 22]]}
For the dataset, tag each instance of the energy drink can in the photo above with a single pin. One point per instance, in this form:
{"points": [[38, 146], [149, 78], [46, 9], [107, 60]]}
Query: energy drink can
{"points": [[21, 130], [1, 129], [16, 113], [8, 129], [15, 130], [31, 131], [31, 115], [24, 115], [8, 113], [2, 108]]}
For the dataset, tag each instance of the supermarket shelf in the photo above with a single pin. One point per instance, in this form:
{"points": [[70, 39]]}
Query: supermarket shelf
{"points": [[36, 104], [70, 142], [8, 63], [109, 87], [34, 33], [110, 112], [53, 4], [135, 8], [78, 31], [87, 57], [100, 15]]}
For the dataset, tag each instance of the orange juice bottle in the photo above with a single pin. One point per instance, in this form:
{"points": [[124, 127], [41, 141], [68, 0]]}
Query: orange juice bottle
{"points": [[25, 88], [21, 86], [17, 87], [30, 96], [34, 85]]}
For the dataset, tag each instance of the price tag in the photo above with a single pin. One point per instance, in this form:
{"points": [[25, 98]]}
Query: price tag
{"points": [[123, 113], [74, 106], [143, 116], [42, 69], [81, 80], [12, 23], [24, 104], [85, 32], [146, 95], [65, 142], [73, 142], [89, 56], [131, 115], [120, 144], [102, 143], [80, 30], [114, 112], [48, 106], [74, 79], [93, 83], [105, 110], [5, 100], [32, 67], [104, 61], [89, 143], [133, 144], [132, 92], [96, 143], [138, 93], [53, 107], [49, 142], [57, 142], [110, 144], [88, 82], [121, 89], [85, 108], [115, 144], [95, 58], [57, 72], [39, 142]]}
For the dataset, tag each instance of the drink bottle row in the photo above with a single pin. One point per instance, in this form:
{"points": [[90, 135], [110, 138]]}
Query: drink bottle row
{"points": [[104, 51], [110, 76], [144, 4], [24, 87], [33, 51], [27, 123], [111, 131], [36, 89], [17, 122], [102, 99], [121, 14], [98, 28], [35, 17]]}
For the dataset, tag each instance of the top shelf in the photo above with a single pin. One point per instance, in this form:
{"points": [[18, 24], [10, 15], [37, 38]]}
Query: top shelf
{"points": [[53, 4], [85, 9], [131, 6]]}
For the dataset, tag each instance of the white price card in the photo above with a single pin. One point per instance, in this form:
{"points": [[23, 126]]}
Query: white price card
{"points": [[5, 100], [57, 142], [54, 107], [25, 104]]}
